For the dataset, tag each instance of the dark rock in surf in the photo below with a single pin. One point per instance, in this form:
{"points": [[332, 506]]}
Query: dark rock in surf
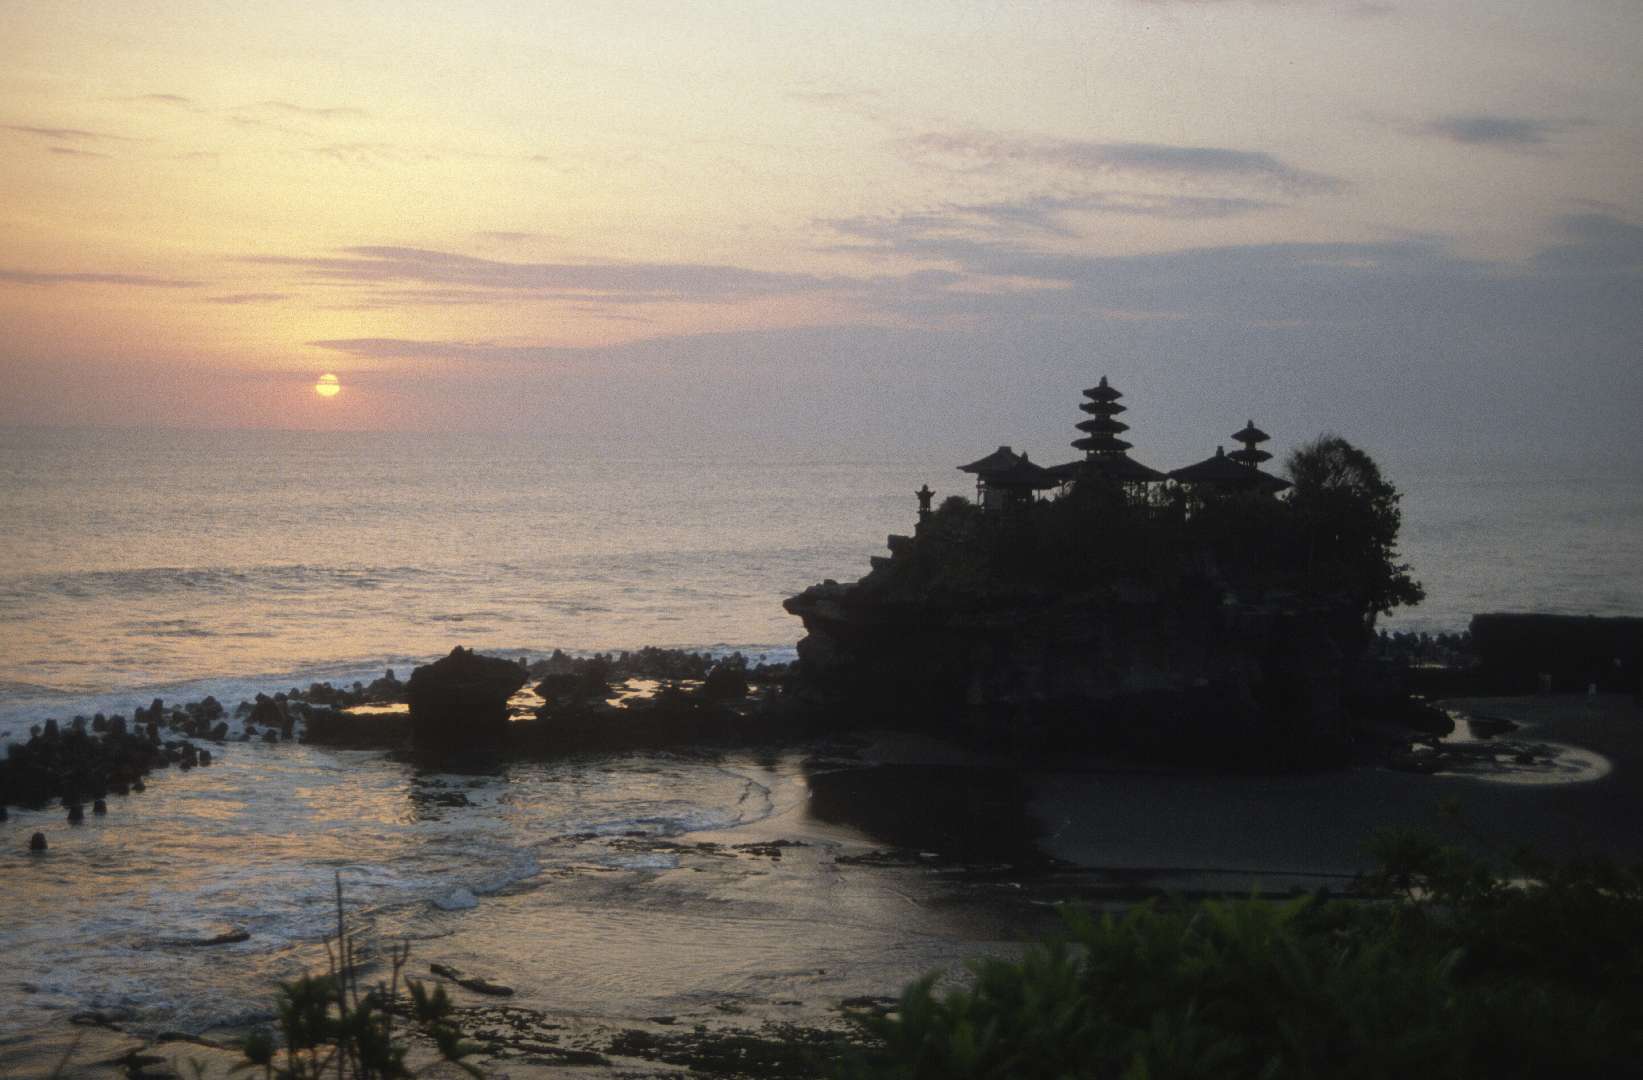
{"points": [[471, 982], [386, 689], [461, 702], [375, 730], [267, 713], [37, 842]]}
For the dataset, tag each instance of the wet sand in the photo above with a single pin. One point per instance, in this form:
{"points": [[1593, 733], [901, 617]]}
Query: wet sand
{"points": [[1253, 829]]}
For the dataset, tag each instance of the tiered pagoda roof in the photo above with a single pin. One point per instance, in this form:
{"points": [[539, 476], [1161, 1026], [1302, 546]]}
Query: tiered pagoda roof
{"points": [[1251, 437], [1101, 429], [1104, 451]]}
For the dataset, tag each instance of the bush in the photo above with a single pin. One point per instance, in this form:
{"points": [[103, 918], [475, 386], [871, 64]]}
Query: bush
{"points": [[332, 1028], [1453, 973]]}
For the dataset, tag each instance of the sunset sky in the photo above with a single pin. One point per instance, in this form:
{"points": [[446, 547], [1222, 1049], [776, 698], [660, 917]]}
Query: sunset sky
{"points": [[834, 226]]}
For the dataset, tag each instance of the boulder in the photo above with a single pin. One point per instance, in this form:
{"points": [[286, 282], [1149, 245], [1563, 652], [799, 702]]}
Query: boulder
{"points": [[461, 702]]}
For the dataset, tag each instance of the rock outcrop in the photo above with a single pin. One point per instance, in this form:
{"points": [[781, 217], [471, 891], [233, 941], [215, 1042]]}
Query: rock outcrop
{"points": [[1187, 673], [461, 701]]}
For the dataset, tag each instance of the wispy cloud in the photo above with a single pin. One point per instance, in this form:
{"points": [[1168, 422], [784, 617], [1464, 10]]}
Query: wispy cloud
{"points": [[42, 277], [248, 298], [976, 150], [1039, 214], [72, 151], [1595, 243], [444, 270], [161, 99], [60, 134], [412, 349], [330, 112], [1492, 129], [503, 236], [287, 118], [360, 153]]}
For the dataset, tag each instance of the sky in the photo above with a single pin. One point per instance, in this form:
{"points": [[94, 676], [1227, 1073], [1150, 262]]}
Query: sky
{"points": [[832, 227]]}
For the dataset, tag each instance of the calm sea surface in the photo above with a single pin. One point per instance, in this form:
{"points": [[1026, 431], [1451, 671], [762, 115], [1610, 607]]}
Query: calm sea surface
{"points": [[144, 563], [135, 563]]}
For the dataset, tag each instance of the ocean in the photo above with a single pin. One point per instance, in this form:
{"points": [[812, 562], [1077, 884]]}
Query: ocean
{"points": [[145, 563]]}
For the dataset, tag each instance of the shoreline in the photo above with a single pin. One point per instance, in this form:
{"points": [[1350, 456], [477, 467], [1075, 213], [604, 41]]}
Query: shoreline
{"points": [[843, 847]]}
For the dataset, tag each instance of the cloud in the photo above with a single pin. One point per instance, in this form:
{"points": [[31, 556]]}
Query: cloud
{"points": [[632, 282], [359, 153], [1594, 243], [40, 277], [162, 99], [975, 150], [58, 134], [1490, 129], [1045, 214], [413, 349], [70, 151], [248, 298], [502, 236], [335, 112]]}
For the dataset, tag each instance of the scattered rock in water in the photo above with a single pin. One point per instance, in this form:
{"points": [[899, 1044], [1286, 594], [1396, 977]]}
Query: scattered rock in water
{"points": [[471, 982], [99, 807], [76, 814], [37, 842], [231, 936]]}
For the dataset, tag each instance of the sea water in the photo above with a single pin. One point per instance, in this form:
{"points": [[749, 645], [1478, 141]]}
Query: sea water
{"points": [[136, 564]]}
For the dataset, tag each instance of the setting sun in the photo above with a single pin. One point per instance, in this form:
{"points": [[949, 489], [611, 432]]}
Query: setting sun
{"points": [[328, 386]]}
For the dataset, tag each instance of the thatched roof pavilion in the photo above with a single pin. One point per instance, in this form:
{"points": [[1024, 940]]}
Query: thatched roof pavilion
{"points": [[1222, 473]]}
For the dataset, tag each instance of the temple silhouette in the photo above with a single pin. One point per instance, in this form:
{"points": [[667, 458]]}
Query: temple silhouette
{"points": [[1101, 602], [1007, 479]]}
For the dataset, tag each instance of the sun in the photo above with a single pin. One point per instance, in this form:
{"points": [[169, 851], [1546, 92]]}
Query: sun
{"points": [[328, 386]]}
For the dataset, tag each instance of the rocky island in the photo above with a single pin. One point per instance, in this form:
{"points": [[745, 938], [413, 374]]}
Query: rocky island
{"points": [[1216, 612]]}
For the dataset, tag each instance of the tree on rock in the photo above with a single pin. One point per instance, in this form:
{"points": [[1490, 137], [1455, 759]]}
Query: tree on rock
{"points": [[1348, 519]]}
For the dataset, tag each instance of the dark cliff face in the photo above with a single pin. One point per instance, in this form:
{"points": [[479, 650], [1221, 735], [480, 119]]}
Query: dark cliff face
{"points": [[1094, 623], [1188, 674]]}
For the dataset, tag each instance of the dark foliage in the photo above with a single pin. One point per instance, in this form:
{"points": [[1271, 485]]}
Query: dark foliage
{"points": [[1348, 517], [1457, 973]]}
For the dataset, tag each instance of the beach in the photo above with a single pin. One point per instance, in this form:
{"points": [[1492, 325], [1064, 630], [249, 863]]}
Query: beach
{"points": [[830, 875]]}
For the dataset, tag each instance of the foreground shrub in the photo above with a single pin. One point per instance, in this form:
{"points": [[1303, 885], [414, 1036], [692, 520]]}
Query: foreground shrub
{"points": [[1454, 973], [330, 1027]]}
